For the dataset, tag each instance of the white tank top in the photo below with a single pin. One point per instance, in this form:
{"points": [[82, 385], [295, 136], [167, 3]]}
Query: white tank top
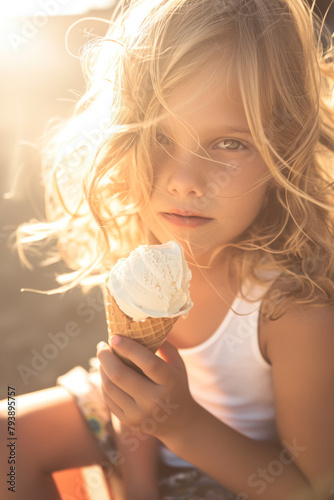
{"points": [[228, 375]]}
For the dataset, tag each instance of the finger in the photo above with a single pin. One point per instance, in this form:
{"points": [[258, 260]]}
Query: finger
{"points": [[152, 366], [115, 394], [120, 374], [170, 354], [112, 406]]}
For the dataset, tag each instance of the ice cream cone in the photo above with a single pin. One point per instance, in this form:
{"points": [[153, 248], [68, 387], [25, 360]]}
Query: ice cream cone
{"points": [[151, 332]]}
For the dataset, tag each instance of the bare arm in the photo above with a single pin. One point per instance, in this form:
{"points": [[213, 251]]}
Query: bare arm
{"points": [[51, 436], [301, 466], [297, 468], [300, 347], [137, 457]]}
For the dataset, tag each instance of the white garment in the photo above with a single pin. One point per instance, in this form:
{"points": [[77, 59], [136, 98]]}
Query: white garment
{"points": [[228, 375]]}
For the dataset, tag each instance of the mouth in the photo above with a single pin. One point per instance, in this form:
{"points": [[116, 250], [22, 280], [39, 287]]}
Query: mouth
{"points": [[184, 218]]}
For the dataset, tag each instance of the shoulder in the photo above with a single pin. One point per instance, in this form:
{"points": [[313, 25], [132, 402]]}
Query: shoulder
{"points": [[300, 328], [299, 347]]}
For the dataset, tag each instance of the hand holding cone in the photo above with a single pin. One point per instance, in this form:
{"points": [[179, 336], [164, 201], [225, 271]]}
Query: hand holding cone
{"points": [[150, 332]]}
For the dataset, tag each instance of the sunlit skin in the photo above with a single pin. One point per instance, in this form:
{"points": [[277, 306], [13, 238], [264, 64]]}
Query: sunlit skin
{"points": [[221, 180], [210, 189], [205, 195], [205, 204]]}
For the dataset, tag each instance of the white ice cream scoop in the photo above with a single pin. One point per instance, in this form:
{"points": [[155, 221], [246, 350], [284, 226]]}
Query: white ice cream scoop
{"points": [[152, 282]]}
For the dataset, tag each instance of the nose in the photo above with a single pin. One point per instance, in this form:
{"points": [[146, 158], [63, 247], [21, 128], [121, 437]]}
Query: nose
{"points": [[184, 178]]}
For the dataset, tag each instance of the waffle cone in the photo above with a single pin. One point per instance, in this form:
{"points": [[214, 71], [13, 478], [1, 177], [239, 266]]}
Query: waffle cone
{"points": [[151, 332]]}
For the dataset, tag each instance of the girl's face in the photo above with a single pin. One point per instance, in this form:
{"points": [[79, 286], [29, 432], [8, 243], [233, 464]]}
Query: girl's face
{"points": [[205, 201]]}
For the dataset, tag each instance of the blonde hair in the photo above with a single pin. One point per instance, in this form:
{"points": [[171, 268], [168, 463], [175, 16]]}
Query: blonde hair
{"points": [[101, 172]]}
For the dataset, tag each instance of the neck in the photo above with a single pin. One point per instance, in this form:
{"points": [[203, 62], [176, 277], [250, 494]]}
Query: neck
{"points": [[220, 275]]}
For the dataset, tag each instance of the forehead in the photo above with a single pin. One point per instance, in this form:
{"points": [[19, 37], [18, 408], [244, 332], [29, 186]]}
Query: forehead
{"points": [[206, 101]]}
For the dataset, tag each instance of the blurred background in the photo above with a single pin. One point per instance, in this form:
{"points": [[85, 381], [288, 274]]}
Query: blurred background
{"points": [[42, 336]]}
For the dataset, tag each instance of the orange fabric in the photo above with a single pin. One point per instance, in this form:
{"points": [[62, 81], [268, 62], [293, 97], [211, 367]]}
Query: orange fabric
{"points": [[71, 485]]}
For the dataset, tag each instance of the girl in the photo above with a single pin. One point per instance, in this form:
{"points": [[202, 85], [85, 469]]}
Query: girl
{"points": [[209, 122]]}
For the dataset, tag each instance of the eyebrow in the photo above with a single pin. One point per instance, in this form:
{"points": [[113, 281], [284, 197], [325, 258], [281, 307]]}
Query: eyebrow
{"points": [[223, 129], [238, 130]]}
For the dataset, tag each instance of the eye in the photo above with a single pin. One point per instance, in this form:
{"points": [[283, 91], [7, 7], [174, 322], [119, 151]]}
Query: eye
{"points": [[162, 139], [230, 145]]}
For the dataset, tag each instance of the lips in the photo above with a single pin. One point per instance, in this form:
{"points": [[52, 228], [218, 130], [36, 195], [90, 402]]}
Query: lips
{"points": [[185, 218]]}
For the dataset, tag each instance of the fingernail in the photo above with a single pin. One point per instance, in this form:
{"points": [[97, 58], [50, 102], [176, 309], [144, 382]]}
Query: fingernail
{"points": [[100, 346], [116, 339]]}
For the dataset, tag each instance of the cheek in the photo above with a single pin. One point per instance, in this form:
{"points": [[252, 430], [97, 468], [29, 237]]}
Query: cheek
{"points": [[247, 197], [247, 181], [244, 193], [243, 210], [146, 216], [159, 159], [150, 220]]}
